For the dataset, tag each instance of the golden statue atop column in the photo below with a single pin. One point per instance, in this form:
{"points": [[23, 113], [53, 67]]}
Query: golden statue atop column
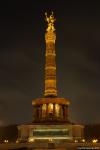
{"points": [[50, 21]]}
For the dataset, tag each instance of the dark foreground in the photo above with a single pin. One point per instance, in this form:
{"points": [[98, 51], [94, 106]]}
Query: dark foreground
{"points": [[52, 146]]}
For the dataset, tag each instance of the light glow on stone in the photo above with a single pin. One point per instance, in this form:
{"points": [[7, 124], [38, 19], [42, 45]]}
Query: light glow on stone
{"points": [[31, 139]]}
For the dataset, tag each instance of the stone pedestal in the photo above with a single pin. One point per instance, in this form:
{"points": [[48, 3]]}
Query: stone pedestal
{"points": [[50, 132]]}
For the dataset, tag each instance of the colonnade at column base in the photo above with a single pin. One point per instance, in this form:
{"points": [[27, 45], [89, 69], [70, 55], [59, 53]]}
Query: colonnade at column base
{"points": [[50, 109]]}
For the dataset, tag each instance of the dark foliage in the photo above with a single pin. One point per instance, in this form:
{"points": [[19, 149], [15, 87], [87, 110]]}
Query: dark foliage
{"points": [[92, 131], [8, 132]]}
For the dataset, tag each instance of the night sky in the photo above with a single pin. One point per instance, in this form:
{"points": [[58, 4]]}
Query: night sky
{"points": [[22, 48]]}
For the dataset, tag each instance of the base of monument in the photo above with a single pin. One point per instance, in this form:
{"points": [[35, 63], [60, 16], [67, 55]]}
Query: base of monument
{"points": [[49, 133]]}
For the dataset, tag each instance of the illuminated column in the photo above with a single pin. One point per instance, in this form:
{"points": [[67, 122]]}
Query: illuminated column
{"points": [[50, 64], [44, 110], [47, 111], [54, 112]]}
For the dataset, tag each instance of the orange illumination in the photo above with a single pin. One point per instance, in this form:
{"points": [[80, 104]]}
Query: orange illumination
{"points": [[50, 108], [44, 108], [57, 109]]}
